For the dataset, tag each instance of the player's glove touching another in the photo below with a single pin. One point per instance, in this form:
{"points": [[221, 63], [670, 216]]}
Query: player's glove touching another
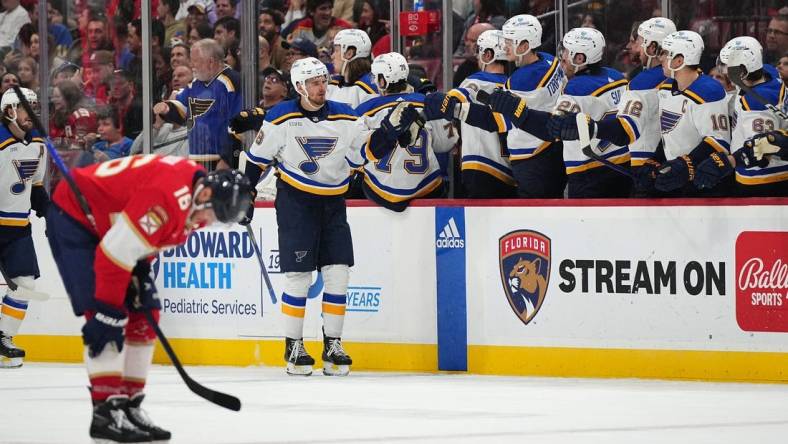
{"points": [[712, 170], [440, 105], [247, 120], [399, 126], [509, 105], [674, 174], [756, 151], [563, 126]]}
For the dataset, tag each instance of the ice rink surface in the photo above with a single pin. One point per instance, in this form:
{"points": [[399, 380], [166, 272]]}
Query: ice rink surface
{"points": [[48, 403]]}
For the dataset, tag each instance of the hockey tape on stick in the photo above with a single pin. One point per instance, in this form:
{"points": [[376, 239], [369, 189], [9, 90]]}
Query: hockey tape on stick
{"points": [[263, 270], [585, 141], [22, 293], [735, 73], [218, 398]]}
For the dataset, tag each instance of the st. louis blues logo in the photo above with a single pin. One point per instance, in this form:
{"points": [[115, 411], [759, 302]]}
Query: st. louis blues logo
{"points": [[315, 148], [668, 121], [25, 168], [524, 259], [198, 107]]}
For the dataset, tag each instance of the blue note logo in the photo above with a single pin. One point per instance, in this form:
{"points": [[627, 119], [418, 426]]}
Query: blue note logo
{"points": [[315, 149], [25, 168], [668, 121]]}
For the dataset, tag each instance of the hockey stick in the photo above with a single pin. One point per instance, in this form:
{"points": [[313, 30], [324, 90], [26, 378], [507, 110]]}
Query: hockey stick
{"points": [[218, 398], [735, 73], [263, 270], [21, 292], [585, 141]]}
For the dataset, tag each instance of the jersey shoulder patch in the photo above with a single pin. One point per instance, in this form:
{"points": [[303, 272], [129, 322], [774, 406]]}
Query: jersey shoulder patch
{"points": [[230, 79], [648, 79], [530, 77], [283, 111]]}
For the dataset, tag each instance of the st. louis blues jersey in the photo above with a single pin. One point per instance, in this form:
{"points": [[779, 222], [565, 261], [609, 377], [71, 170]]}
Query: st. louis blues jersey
{"points": [[206, 108], [404, 173], [23, 164], [752, 118], [540, 84], [354, 94], [699, 114], [598, 95], [482, 150], [638, 112], [310, 148]]}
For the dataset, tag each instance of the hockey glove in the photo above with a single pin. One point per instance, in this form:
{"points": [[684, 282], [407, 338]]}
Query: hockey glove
{"points": [[675, 174], [249, 211], [712, 170], [106, 326], [247, 120], [564, 127], [141, 293], [440, 105], [645, 175], [510, 105], [399, 121]]}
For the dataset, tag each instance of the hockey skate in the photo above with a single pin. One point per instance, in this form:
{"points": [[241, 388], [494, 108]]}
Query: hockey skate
{"points": [[140, 418], [11, 356], [111, 425], [335, 361], [298, 360]]}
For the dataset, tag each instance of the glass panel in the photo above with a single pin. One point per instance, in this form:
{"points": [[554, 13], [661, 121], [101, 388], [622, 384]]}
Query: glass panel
{"points": [[721, 20]]}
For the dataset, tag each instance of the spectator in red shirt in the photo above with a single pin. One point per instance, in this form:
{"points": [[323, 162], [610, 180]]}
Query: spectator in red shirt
{"points": [[123, 99], [98, 75], [316, 25]]}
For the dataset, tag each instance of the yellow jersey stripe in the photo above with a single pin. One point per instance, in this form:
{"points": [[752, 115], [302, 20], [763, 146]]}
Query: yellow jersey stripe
{"points": [[716, 145], [484, 168], [393, 198], [296, 312], [312, 189], [285, 117], [603, 89], [760, 180], [547, 75]]}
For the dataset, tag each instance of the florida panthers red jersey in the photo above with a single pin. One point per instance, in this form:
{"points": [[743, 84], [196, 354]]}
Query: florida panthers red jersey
{"points": [[141, 205]]}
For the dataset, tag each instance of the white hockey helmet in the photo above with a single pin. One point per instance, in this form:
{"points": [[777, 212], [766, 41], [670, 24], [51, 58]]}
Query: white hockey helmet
{"points": [[305, 69], [11, 99], [683, 43], [523, 28], [491, 39], [353, 38], [587, 41], [392, 67], [745, 51], [655, 30]]}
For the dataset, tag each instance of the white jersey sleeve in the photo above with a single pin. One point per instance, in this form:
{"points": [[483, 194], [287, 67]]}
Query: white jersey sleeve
{"points": [[23, 166]]}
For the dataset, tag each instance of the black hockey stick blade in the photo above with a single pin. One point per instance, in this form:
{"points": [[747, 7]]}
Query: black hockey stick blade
{"points": [[221, 399], [589, 152], [483, 97], [736, 74]]}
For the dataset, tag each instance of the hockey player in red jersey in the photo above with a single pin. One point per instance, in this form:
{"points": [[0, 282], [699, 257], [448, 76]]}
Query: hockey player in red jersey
{"points": [[139, 206]]}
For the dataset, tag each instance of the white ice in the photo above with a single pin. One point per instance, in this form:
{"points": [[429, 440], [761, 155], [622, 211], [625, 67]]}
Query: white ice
{"points": [[47, 403]]}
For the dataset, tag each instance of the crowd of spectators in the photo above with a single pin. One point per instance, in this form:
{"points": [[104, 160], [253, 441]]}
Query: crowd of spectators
{"points": [[95, 53]]}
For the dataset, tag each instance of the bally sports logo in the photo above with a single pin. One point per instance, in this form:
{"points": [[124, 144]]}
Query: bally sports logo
{"points": [[524, 260], [762, 281]]}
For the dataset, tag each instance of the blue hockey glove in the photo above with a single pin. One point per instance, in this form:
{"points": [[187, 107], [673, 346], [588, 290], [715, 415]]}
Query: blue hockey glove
{"points": [[399, 120], [675, 174], [141, 293], [564, 127], [247, 120], [712, 170], [105, 327], [645, 175], [510, 105], [440, 105]]}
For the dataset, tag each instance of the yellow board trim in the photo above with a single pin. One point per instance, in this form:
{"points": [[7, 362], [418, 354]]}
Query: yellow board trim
{"points": [[243, 353]]}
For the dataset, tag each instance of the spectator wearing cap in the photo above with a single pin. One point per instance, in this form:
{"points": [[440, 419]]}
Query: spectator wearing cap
{"points": [[276, 87], [316, 25], [196, 15], [179, 56], [226, 31], [11, 21], [206, 106], [269, 25], [66, 71], [173, 28], [113, 143], [296, 50], [205, 7], [98, 75], [123, 98]]}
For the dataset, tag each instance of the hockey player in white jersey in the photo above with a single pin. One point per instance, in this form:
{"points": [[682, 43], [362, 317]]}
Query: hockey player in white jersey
{"points": [[310, 139], [751, 118], [486, 170], [353, 83], [537, 163], [23, 164], [398, 170]]}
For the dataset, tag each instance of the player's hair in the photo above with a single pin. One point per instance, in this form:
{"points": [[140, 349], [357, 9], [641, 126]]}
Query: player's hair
{"points": [[230, 24], [210, 48], [312, 5], [108, 112], [204, 30], [397, 87], [754, 76], [357, 68]]}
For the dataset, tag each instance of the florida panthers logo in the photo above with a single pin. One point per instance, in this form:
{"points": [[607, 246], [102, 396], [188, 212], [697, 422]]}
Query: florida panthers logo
{"points": [[315, 148], [524, 259], [668, 121]]}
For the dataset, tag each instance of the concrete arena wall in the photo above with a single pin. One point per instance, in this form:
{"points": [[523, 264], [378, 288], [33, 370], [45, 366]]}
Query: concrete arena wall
{"points": [[653, 289]]}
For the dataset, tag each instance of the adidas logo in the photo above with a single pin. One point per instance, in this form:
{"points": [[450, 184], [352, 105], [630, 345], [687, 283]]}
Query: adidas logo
{"points": [[450, 236]]}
